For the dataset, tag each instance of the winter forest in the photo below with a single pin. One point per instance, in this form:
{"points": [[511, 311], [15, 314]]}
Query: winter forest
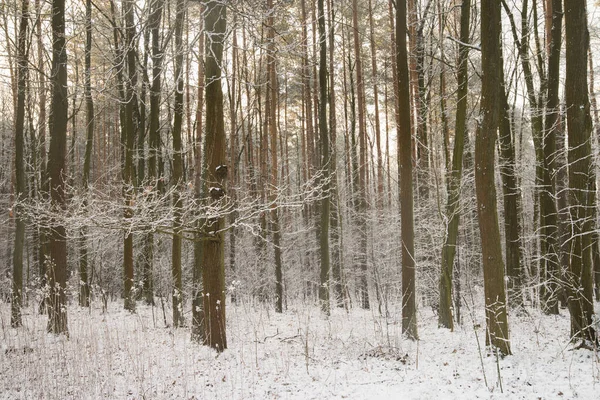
{"points": [[299, 199]]}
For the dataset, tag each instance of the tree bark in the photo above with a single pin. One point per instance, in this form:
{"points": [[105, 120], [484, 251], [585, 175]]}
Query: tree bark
{"points": [[57, 267], [491, 102], [197, 293], [445, 316], [325, 164], [84, 288], [177, 172], [361, 190], [552, 273], [579, 125], [22, 77], [409, 306], [213, 263]]}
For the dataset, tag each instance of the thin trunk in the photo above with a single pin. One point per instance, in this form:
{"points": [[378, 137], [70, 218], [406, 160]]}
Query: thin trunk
{"points": [[153, 142], [362, 164], [234, 96], [128, 149], [271, 121], [375, 76], [84, 288], [336, 215]]}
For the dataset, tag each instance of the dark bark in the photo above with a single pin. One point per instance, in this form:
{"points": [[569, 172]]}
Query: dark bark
{"points": [[445, 317], [22, 71], [581, 197], [409, 306], [84, 288], [552, 274], [177, 172], [325, 164], [215, 170], [491, 102], [361, 189], [57, 243]]}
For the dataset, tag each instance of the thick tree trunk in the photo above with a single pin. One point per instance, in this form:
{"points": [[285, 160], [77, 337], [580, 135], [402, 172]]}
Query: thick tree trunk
{"points": [[57, 266], [325, 163], [197, 300], [213, 263], [153, 143], [491, 102], [128, 149], [409, 306], [445, 317], [581, 197], [17, 272], [177, 172], [552, 275]]}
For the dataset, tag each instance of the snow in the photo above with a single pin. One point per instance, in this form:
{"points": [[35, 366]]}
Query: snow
{"points": [[296, 355]]}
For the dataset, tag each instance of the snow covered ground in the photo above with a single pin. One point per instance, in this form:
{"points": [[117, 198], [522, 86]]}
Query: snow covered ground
{"points": [[297, 355]]}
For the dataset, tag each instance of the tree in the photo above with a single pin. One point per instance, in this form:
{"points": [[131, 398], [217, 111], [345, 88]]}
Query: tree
{"points": [[156, 10], [361, 189], [84, 288], [197, 300], [325, 163], [581, 197], [128, 134], [409, 307], [271, 122], [57, 267], [490, 108], [17, 273], [177, 173], [445, 317], [215, 173], [552, 271]]}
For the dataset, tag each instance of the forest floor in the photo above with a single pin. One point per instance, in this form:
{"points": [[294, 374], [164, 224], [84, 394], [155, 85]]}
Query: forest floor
{"points": [[296, 355]]}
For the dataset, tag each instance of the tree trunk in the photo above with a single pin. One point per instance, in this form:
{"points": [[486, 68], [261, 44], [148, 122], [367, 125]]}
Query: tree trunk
{"points": [[581, 197], [177, 172], [380, 195], [197, 293], [22, 77], [491, 103], [128, 149], [271, 119], [336, 215], [445, 317], [361, 190], [325, 163], [84, 288], [153, 143], [57, 267], [213, 263], [409, 306], [552, 271]]}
